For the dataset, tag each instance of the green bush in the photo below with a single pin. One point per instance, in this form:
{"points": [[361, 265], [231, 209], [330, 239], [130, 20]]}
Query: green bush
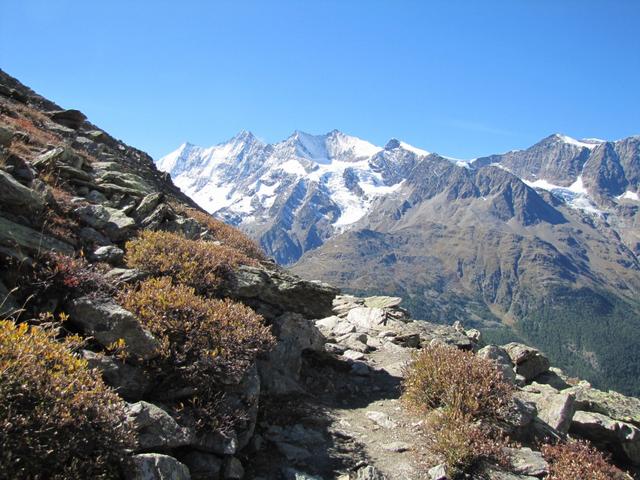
{"points": [[204, 342], [200, 264], [57, 418]]}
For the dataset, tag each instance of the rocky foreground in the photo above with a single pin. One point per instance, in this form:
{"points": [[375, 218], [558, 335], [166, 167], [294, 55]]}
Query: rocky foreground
{"points": [[323, 403]]}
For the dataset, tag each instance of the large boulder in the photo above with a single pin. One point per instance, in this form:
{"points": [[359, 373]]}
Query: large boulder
{"points": [[365, 319], [554, 408], [116, 224], [203, 466], [612, 404], [529, 362], [108, 322], [69, 118], [281, 291], [621, 438], [17, 197], [500, 359], [155, 428], [280, 369], [154, 466], [17, 241]]}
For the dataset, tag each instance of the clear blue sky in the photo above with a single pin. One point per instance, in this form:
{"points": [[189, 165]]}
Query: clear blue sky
{"points": [[462, 78]]}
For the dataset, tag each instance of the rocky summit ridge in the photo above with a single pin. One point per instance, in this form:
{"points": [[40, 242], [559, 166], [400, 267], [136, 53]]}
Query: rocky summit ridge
{"points": [[322, 403]]}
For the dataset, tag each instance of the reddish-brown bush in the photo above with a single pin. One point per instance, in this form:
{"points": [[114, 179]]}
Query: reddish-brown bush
{"points": [[443, 376], [200, 264], [57, 418], [579, 460], [224, 233], [204, 342]]}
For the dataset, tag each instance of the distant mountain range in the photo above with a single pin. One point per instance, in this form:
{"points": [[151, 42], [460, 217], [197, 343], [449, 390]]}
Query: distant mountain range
{"points": [[541, 244]]}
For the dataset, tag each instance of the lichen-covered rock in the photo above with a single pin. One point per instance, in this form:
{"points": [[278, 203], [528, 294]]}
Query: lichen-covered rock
{"points": [[283, 291], [108, 322], [154, 466], [525, 461], [116, 224], [612, 404]]}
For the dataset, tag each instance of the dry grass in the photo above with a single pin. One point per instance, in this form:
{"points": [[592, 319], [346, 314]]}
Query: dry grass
{"points": [[579, 460], [57, 418], [200, 264]]}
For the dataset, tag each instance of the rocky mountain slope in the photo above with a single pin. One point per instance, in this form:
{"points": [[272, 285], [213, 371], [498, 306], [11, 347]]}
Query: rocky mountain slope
{"points": [[77, 208]]}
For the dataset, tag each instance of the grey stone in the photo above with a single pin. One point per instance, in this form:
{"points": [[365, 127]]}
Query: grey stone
{"points": [[353, 355], [554, 408], [121, 276], [233, 469], [109, 254], [69, 118], [108, 322], [155, 428], [360, 368], [500, 358], [365, 319], [129, 183], [130, 382], [525, 461], [369, 473], [154, 466], [115, 223], [293, 474], [203, 466], [343, 328], [91, 235], [18, 240], [14, 195], [608, 433], [529, 362], [217, 442], [382, 302], [381, 419], [327, 324], [290, 293], [147, 205], [612, 404], [280, 369], [396, 447], [439, 472], [292, 452]]}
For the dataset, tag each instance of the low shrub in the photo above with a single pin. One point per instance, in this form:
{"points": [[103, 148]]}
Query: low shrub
{"points": [[461, 396], [463, 443], [224, 233], [443, 376], [200, 264], [204, 342], [578, 459], [57, 418]]}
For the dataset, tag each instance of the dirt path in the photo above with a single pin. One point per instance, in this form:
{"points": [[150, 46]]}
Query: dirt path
{"points": [[351, 419]]}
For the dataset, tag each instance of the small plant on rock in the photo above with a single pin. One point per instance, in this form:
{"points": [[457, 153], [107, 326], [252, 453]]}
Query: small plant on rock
{"points": [[57, 418], [200, 264]]}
